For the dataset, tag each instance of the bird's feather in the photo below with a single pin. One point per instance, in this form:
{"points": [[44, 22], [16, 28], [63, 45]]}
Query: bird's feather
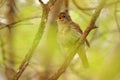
{"points": [[76, 26]]}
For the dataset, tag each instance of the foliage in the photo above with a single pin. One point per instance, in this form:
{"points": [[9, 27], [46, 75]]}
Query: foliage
{"points": [[28, 44]]}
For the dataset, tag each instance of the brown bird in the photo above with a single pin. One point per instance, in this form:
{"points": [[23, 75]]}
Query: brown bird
{"points": [[68, 33]]}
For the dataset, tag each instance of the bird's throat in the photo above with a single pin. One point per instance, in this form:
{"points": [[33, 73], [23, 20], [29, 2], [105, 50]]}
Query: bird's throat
{"points": [[63, 28]]}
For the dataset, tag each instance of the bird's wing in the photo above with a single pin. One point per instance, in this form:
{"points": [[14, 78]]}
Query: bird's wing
{"points": [[76, 26]]}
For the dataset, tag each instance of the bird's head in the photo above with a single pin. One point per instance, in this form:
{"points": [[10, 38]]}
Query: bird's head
{"points": [[63, 17]]}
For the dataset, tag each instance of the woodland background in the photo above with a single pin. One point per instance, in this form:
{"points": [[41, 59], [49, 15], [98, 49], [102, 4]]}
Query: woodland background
{"points": [[28, 46]]}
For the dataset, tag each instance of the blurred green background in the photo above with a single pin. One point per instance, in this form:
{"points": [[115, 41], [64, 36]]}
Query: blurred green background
{"points": [[103, 54]]}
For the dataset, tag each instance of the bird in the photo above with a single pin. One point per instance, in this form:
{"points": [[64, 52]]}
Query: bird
{"points": [[68, 34]]}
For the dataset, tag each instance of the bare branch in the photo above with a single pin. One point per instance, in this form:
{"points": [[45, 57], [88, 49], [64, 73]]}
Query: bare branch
{"points": [[13, 23], [66, 5], [42, 3]]}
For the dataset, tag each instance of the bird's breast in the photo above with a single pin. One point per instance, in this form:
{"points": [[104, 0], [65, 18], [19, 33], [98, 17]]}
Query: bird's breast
{"points": [[67, 36]]}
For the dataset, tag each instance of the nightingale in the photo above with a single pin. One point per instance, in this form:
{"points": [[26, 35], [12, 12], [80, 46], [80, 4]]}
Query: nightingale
{"points": [[68, 33]]}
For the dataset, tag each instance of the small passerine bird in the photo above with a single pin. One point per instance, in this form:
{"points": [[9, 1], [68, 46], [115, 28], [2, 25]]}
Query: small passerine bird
{"points": [[68, 33]]}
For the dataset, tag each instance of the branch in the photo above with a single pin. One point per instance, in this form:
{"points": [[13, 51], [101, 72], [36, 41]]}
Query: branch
{"points": [[51, 26], [66, 5], [36, 40], [39, 34], [42, 3], [73, 50], [13, 23]]}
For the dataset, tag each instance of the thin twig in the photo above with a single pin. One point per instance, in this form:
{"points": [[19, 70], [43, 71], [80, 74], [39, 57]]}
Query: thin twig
{"points": [[73, 50], [66, 4], [42, 3], [13, 23]]}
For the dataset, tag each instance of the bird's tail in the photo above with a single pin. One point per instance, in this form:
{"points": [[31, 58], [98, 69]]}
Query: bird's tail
{"points": [[82, 54]]}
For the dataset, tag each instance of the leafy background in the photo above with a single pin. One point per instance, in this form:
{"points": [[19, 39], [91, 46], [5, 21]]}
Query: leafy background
{"points": [[103, 54]]}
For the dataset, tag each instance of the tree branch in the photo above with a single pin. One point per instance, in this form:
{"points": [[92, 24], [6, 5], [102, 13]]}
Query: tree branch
{"points": [[42, 3], [36, 40], [13, 23]]}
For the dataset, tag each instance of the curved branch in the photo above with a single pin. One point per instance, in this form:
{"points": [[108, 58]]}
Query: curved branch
{"points": [[36, 40]]}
